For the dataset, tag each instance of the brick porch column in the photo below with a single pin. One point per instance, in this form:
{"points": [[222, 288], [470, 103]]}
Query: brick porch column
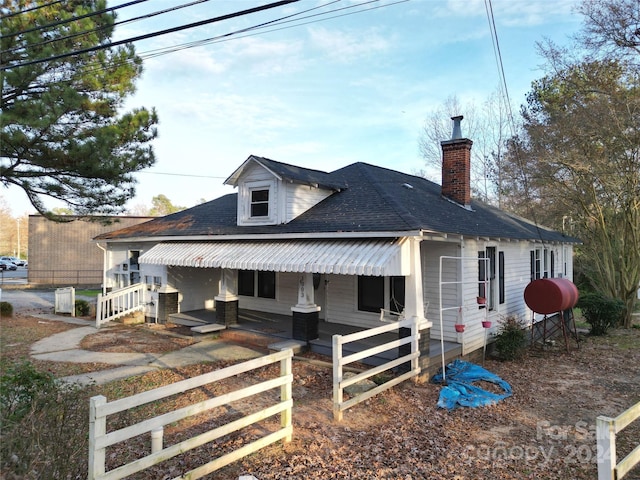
{"points": [[306, 313], [227, 300], [167, 303]]}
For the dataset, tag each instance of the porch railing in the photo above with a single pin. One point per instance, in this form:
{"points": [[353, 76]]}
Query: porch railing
{"points": [[606, 430], [100, 439], [340, 361], [119, 303]]}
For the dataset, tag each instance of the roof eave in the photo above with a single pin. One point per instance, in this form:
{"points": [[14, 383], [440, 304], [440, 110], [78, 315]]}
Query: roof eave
{"points": [[264, 236]]}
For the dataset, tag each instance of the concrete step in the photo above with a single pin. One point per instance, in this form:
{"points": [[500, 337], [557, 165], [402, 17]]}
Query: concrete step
{"points": [[187, 322], [208, 328], [296, 345]]}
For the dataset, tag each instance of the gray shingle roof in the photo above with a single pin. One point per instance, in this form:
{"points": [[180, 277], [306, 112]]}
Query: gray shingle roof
{"points": [[371, 199]]}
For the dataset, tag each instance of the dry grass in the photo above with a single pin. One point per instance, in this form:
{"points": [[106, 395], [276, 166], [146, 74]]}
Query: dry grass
{"points": [[545, 430]]}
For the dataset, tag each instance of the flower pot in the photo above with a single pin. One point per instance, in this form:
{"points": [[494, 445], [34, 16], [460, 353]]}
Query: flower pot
{"points": [[481, 300], [486, 324], [459, 327]]}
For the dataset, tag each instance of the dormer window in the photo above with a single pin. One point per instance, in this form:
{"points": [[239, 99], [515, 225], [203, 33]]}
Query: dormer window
{"points": [[260, 203], [257, 203]]}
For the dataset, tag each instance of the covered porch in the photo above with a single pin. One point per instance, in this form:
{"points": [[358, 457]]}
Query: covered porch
{"points": [[265, 329]]}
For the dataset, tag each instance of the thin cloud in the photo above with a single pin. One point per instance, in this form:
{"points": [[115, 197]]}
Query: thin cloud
{"points": [[345, 46], [512, 13]]}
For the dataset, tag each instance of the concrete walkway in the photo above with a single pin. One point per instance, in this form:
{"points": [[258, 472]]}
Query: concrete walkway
{"points": [[65, 347]]}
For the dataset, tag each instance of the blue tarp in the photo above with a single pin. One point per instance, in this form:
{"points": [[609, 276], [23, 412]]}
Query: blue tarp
{"points": [[459, 390]]}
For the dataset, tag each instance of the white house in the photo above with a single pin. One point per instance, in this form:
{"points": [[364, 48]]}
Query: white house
{"points": [[335, 248]]}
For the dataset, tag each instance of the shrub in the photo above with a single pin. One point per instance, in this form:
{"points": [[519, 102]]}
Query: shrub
{"points": [[511, 339], [43, 425], [6, 309], [83, 308], [601, 312]]}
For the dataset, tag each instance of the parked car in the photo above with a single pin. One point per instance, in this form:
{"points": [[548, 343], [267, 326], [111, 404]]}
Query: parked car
{"points": [[5, 265], [17, 261]]}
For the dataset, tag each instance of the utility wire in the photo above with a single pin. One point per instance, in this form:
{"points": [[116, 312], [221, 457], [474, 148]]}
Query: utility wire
{"points": [[180, 175], [38, 7], [499, 63], [73, 19], [105, 27], [505, 91], [229, 37], [225, 37], [151, 35]]}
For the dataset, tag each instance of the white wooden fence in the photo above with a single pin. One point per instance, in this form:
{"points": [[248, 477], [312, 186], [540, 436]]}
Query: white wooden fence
{"points": [[65, 301], [606, 430], [99, 439], [119, 303], [340, 383]]}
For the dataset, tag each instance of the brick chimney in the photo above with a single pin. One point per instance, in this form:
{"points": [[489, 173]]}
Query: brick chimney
{"points": [[456, 166]]}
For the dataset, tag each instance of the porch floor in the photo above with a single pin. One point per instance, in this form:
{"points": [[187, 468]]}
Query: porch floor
{"points": [[279, 327]]}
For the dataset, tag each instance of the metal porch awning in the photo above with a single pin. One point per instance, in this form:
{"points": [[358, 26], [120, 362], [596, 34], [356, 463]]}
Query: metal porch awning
{"points": [[376, 257]]}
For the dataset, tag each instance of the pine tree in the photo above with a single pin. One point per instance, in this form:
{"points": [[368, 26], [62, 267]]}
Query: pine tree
{"points": [[64, 135]]}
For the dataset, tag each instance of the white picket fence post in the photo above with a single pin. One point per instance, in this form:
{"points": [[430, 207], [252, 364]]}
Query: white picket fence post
{"points": [[100, 409], [97, 429], [606, 448], [340, 361], [606, 429]]}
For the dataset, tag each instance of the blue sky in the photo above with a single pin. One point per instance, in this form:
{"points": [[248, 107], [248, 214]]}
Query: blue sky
{"points": [[324, 94]]}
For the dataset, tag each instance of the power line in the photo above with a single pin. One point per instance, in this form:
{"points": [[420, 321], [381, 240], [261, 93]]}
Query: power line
{"points": [[232, 35], [181, 175], [104, 27], [505, 90], [73, 19], [37, 7], [500, 65], [225, 37], [151, 35]]}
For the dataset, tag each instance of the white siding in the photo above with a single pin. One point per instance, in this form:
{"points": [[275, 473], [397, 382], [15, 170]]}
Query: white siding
{"points": [[286, 296], [300, 198], [463, 294], [286, 201], [117, 255], [197, 287], [342, 304], [257, 176], [431, 253], [338, 293]]}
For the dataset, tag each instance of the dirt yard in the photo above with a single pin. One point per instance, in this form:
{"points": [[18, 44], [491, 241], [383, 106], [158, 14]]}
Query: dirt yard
{"points": [[546, 430]]}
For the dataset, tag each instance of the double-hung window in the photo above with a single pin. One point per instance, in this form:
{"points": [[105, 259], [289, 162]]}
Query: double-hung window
{"points": [[487, 276], [540, 263], [259, 202]]}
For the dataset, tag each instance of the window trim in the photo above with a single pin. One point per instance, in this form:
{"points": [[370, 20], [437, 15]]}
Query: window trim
{"points": [[488, 282], [539, 262], [387, 293], [245, 203], [501, 285], [259, 203], [257, 285]]}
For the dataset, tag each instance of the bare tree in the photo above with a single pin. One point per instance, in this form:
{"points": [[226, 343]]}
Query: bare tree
{"points": [[579, 154], [486, 125]]}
